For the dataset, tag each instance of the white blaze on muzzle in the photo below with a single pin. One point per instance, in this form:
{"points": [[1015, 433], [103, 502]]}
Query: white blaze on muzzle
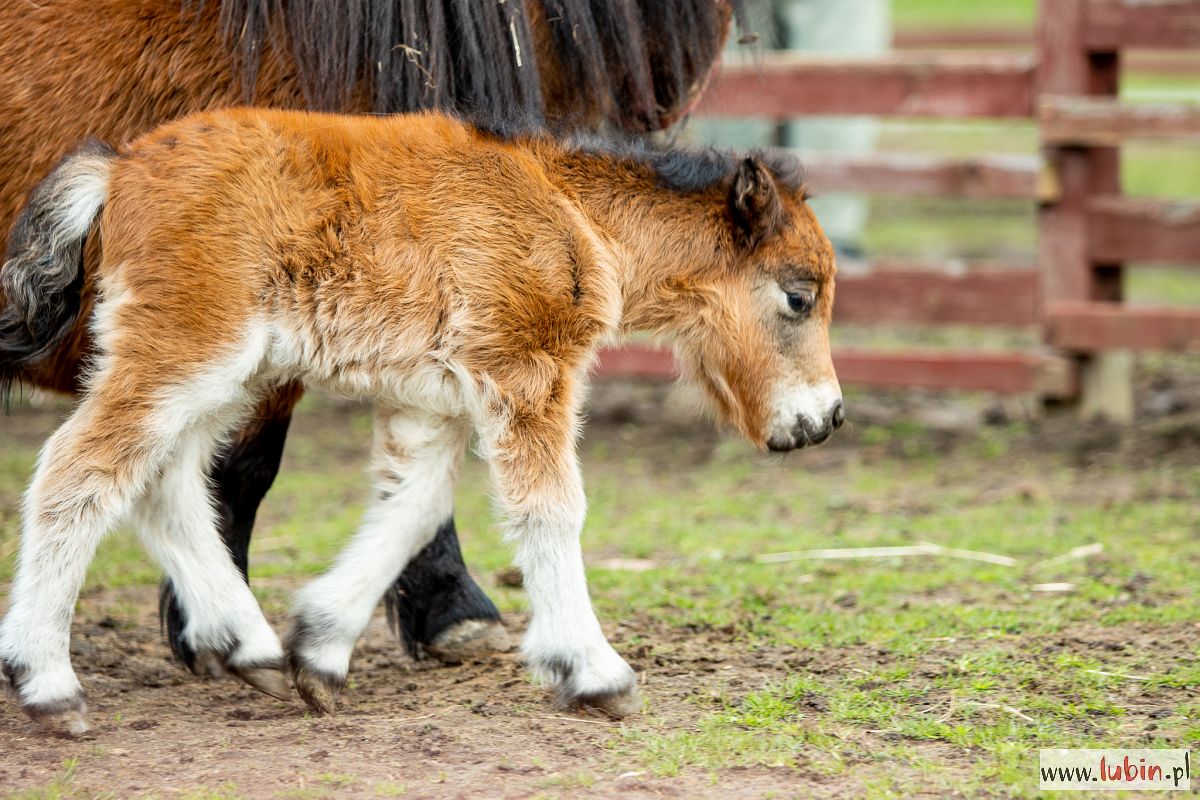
{"points": [[801, 411]]}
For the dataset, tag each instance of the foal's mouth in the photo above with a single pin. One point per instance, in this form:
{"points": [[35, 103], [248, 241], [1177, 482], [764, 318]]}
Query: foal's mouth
{"points": [[806, 434]]}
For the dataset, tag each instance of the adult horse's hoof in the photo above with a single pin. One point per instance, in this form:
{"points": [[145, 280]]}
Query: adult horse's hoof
{"points": [[472, 638]]}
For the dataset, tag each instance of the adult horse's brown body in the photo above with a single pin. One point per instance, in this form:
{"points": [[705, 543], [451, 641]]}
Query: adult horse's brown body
{"points": [[113, 69]]}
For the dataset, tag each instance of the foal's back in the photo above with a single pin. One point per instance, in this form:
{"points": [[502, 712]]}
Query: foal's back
{"points": [[364, 243]]}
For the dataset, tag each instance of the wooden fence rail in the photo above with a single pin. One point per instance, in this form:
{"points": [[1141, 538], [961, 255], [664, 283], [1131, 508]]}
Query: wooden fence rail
{"points": [[906, 85]]}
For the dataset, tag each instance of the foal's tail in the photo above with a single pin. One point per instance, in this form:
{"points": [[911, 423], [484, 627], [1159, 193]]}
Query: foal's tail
{"points": [[42, 276]]}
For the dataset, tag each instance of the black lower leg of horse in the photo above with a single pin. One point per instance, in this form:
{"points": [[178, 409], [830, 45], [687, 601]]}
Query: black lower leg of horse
{"points": [[435, 606]]}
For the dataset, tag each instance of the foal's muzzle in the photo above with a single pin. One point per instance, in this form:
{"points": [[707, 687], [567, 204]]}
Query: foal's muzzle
{"points": [[806, 431]]}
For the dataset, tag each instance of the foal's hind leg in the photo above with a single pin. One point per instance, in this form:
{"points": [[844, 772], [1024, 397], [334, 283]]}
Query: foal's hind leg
{"points": [[177, 524], [239, 477], [416, 457], [91, 471]]}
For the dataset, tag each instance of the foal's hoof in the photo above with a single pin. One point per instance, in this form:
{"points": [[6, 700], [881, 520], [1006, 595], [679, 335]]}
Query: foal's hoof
{"points": [[617, 704], [64, 717], [67, 717], [268, 678], [318, 690], [469, 639]]}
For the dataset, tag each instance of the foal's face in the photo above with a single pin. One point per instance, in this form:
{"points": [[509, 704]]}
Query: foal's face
{"points": [[762, 350], [791, 283]]}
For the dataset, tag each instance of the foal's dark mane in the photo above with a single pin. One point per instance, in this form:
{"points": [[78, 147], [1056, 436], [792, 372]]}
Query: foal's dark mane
{"points": [[631, 58], [681, 169], [693, 169]]}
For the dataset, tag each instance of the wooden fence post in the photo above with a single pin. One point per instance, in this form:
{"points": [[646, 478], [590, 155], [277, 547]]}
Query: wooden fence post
{"points": [[1067, 67]]}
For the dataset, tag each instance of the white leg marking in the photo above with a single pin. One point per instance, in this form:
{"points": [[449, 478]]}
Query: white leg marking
{"points": [[69, 507], [91, 473], [415, 461], [564, 644], [177, 525]]}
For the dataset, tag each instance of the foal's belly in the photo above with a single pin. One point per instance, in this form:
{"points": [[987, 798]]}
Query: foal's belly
{"points": [[402, 369], [431, 387]]}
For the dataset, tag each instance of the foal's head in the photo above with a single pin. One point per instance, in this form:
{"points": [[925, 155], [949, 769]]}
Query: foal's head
{"points": [[757, 333]]}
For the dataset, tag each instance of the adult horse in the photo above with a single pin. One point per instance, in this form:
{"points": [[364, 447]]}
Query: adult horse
{"points": [[112, 69]]}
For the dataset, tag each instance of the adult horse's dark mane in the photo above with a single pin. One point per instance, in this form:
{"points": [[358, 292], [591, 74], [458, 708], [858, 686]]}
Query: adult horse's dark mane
{"points": [[631, 58]]}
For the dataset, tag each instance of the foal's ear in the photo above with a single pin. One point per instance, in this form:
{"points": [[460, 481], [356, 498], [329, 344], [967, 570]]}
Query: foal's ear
{"points": [[755, 209]]}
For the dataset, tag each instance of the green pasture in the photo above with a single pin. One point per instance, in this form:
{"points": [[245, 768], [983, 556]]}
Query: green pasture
{"points": [[921, 14], [931, 673]]}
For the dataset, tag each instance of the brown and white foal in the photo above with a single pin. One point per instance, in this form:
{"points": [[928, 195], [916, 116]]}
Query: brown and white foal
{"points": [[463, 279]]}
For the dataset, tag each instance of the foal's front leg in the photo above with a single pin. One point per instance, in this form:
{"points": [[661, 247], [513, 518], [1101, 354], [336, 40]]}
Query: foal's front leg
{"points": [[537, 476], [415, 462]]}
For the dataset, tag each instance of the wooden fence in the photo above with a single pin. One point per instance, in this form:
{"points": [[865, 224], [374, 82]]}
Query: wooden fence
{"points": [[1088, 231]]}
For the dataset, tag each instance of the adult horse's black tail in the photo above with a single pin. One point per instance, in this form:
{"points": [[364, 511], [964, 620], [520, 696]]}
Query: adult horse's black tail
{"points": [[42, 275]]}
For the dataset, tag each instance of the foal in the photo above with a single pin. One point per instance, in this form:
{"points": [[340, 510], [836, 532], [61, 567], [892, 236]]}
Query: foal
{"points": [[462, 278]]}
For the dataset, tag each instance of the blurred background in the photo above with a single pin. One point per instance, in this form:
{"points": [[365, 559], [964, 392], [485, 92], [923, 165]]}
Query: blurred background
{"points": [[937, 187]]}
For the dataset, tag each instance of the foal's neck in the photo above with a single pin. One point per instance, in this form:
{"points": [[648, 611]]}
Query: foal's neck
{"points": [[661, 236]]}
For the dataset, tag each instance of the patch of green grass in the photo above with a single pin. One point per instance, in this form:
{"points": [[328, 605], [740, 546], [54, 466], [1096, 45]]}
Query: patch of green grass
{"points": [[63, 787], [337, 780], [307, 793], [941, 14], [570, 780], [1161, 169]]}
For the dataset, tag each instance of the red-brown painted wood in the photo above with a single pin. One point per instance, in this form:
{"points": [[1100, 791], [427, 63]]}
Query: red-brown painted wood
{"points": [[1161, 24], [1012, 176], [1105, 121], [1003, 373], [996, 297], [941, 38], [1139, 229], [1173, 62], [1110, 326], [920, 85], [1066, 67], [636, 360]]}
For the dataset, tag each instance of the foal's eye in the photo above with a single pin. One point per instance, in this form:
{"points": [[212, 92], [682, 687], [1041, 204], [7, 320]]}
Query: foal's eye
{"points": [[801, 302]]}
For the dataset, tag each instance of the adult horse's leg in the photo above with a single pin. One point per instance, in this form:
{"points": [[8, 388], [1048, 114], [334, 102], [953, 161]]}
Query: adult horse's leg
{"points": [[434, 605]]}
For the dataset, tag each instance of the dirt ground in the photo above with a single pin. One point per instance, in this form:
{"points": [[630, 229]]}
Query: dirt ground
{"points": [[422, 730], [481, 729]]}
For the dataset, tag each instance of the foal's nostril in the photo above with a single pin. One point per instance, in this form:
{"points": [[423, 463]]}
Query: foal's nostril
{"points": [[839, 414]]}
